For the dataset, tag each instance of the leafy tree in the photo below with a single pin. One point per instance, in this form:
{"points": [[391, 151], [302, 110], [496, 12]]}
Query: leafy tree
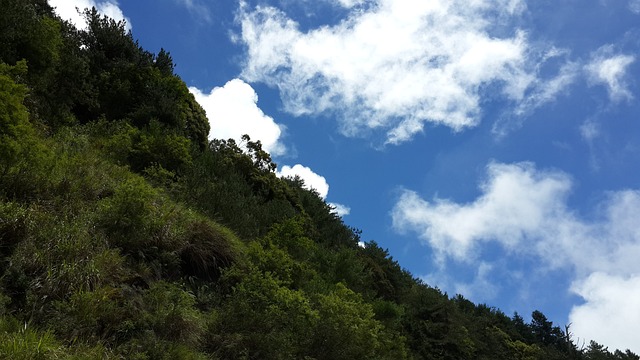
{"points": [[388, 278], [14, 117], [544, 331], [596, 351], [347, 329], [164, 63], [262, 320], [22, 154], [436, 327], [124, 233]]}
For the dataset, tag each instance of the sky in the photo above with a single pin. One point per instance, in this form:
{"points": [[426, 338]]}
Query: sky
{"points": [[491, 145]]}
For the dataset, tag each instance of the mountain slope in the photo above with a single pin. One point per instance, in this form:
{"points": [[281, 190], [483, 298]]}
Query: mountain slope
{"points": [[125, 234]]}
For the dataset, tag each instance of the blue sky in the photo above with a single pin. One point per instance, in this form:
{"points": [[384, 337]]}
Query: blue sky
{"points": [[492, 146]]}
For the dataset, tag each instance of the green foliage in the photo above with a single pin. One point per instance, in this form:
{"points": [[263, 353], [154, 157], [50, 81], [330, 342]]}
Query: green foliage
{"points": [[20, 150], [93, 316], [129, 217], [22, 342], [347, 329], [14, 222], [160, 148], [27, 31], [124, 233], [262, 319], [169, 312], [207, 248], [149, 227], [388, 278], [224, 184]]}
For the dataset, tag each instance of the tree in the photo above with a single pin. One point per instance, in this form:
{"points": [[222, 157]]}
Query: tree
{"points": [[544, 331], [23, 155], [164, 62]]}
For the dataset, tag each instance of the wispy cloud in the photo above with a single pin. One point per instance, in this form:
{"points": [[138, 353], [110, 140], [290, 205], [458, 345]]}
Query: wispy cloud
{"points": [[525, 211], [590, 131], [397, 65], [481, 286], [68, 10], [233, 111], [350, 3], [610, 69], [542, 92], [634, 6], [197, 8], [340, 210]]}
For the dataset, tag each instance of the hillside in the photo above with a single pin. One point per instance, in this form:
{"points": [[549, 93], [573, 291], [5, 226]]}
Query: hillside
{"points": [[125, 233]]}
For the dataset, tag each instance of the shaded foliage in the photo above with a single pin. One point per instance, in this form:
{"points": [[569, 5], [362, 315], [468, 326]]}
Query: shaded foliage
{"points": [[124, 233]]}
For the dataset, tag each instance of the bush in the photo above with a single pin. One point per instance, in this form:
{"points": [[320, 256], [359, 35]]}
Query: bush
{"points": [[23, 156], [170, 313], [18, 341], [96, 316], [261, 320], [130, 216], [207, 248]]}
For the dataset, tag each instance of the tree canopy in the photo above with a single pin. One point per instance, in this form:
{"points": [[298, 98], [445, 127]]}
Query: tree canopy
{"points": [[125, 233]]}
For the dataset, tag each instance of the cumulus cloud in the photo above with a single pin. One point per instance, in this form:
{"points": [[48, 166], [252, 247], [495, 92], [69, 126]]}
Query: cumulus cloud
{"points": [[68, 10], [516, 202], [310, 178], [610, 70], [313, 181], [233, 111], [525, 210], [610, 314], [398, 64]]}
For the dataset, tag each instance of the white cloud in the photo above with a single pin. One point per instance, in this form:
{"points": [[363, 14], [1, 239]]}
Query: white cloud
{"points": [[340, 210], [590, 130], [67, 10], [397, 65], [197, 8], [310, 178], [543, 92], [315, 182], [232, 111], [480, 287], [610, 70], [350, 3], [634, 6], [611, 314], [516, 202], [525, 211]]}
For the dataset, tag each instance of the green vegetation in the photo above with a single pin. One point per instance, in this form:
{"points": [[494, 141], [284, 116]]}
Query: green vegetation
{"points": [[125, 234]]}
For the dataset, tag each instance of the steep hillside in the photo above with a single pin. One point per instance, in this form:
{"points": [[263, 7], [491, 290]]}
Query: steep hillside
{"points": [[124, 233]]}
